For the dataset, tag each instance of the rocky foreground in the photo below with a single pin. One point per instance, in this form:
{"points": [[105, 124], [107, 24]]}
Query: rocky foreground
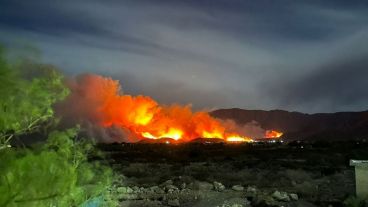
{"points": [[210, 175], [202, 194]]}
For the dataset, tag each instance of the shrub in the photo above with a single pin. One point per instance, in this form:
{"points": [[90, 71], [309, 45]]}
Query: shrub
{"points": [[26, 98], [354, 202], [55, 174]]}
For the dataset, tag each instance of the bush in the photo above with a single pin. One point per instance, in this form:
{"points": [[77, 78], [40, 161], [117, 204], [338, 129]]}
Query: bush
{"points": [[55, 174], [28, 90], [354, 202]]}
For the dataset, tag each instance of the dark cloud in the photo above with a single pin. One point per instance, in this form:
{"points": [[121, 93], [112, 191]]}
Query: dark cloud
{"points": [[45, 17], [268, 20], [338, 85], [211, 53]]}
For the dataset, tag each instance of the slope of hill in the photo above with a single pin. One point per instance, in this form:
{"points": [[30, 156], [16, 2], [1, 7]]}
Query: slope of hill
{"points": [[295, 125]]}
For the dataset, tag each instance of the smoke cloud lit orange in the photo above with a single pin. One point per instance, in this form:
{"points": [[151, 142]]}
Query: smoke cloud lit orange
{"points": [[100, 100]]}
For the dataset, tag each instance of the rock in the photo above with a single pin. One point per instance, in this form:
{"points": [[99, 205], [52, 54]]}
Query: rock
{"points": [[202, 186], [263, 200], [238, 188], [124, 190], [171, 188], [173, 202], [168, 187], [168, 182], [293, 196], [157, 189], [135, 189], [218, 186], [250, 192], [281, 196], [183, 185], [121, 189], [172, 191], [251, 189]]}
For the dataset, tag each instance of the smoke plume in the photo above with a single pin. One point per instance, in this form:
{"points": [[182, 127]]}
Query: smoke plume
{"points": [[101, 107]]}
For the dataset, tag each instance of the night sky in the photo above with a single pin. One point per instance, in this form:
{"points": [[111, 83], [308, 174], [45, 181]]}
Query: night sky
{"points": [[309, 56]]}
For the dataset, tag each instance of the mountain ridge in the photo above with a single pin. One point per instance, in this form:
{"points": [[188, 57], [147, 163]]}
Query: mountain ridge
{"points": [[303, 126]]}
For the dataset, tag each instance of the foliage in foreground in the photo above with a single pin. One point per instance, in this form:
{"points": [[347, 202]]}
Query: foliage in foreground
{"points": [[55, 174], [353, 201], [28, 91]]}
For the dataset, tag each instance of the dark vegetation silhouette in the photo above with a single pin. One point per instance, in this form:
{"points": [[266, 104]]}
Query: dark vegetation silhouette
{"points": [[58, 171]]}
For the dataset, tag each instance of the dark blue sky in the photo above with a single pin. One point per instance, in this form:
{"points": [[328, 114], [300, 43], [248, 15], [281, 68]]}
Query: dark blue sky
{"points": [[309, 56]]}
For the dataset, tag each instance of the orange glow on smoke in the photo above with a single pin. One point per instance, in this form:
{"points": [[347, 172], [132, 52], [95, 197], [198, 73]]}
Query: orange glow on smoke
{"points": [[101, 101], [273, 134]]}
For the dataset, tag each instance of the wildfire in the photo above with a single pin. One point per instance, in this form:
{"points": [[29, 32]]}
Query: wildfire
{"points": [[213, 134], [172, 133], [100, 100], [238, 139], [273, 134]]}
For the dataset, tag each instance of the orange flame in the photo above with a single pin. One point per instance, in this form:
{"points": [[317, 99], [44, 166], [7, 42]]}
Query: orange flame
{"points": [[172, 133], [100, 99], [238, 139], [273, 134]]}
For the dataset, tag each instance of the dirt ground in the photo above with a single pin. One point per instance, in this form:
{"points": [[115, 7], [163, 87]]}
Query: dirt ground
{"points": [[201, 175]]}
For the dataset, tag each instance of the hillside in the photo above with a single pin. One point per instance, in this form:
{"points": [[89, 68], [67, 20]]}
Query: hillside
{"points": [[295, 125]]}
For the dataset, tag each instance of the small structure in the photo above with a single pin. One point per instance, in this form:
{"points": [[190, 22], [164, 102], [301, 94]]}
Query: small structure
{"points": [[361, 177]]}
